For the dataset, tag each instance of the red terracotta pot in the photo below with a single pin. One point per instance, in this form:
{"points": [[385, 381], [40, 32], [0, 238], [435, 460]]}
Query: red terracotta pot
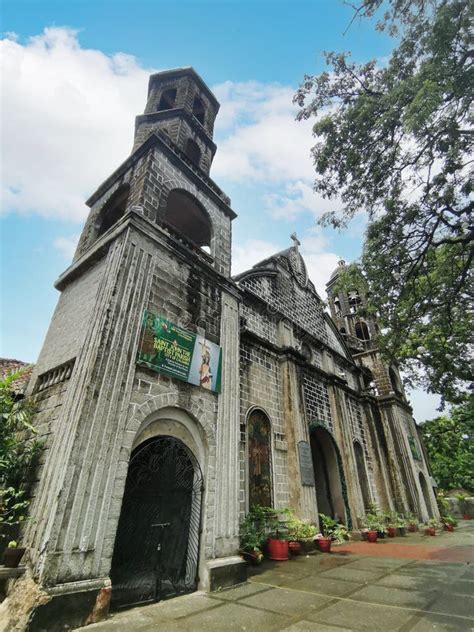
{"points": [[465, 516], [294, 547], [324, 545], [372, 536], [391, 532], [448, 527], [430, 531], [412, 527], [277, 549]]}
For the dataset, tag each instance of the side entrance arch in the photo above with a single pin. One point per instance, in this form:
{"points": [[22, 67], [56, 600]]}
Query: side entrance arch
{"points": [[328, 475], [156, 548]]}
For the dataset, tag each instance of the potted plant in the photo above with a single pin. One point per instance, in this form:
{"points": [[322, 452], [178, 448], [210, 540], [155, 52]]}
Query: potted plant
{"points": [[462, 498], [300, 534], [412, 522], [332, 531], [374, 526], [251, 540], [430, 526], [449, 522], [13, 554], [274, 527], [391, 521]]}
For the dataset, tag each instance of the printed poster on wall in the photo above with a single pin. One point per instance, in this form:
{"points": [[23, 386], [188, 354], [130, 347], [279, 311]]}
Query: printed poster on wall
{"points": [[176, 352]]}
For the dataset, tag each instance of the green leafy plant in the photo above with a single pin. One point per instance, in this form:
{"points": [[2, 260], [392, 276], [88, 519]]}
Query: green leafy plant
{"points": [[385, 128], [300, 530], [450, 520], [19, 449], [332, 529], [410, 518], [251, 534], [13, 544], [374, 521], [432, 523]]}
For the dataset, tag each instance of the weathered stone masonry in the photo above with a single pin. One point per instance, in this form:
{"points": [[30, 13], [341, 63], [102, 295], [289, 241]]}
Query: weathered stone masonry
{"points": [[158, 237]]}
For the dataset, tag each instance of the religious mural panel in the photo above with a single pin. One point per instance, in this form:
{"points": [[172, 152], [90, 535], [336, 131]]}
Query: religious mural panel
{"points": [[259, 446]]}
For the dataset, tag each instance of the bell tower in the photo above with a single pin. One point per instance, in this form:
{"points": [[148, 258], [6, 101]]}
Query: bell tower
{"points": [[156, 248], [183, 109]]}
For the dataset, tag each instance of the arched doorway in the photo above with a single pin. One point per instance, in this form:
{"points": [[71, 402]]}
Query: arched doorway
{"points": [[157, 543], [426, 494], [327, 475], [259, 459], [362, 475]]}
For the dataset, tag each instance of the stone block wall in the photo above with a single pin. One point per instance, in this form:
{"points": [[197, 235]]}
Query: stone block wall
{"points": [[260, 387]]}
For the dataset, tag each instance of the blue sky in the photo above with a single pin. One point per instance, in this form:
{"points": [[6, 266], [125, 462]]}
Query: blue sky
{"points": [[75, 75]]}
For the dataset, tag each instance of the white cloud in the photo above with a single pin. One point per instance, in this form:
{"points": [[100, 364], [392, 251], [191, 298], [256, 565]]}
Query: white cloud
{"points": [[320, 264], [250, 252], [258, 137], [67, 121], [67, 245]]}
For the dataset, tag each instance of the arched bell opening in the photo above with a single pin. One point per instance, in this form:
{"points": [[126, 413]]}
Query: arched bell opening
{"points": [[113, 209], [156, 552], [185, 215], [328, 475]]}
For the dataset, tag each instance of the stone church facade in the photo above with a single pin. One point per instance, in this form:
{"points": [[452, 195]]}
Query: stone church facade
{"points": [[145, 477]]}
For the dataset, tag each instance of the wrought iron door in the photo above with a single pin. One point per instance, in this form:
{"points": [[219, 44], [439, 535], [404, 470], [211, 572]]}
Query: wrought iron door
{"points": [[157, 544]]}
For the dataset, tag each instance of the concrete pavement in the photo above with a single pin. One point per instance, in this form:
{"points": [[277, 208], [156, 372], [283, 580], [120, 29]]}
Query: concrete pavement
{"points": [[342, 591]]}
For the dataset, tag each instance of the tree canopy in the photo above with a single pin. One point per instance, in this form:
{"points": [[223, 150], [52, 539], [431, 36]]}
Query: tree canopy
{"points": [[449, 441], [395, 140]]}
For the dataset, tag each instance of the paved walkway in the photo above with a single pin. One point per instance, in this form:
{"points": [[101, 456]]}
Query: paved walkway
{"points": [[394, 585]]}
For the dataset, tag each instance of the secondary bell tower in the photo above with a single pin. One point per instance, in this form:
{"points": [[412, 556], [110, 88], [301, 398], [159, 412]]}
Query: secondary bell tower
{"points": [[137, 495]]}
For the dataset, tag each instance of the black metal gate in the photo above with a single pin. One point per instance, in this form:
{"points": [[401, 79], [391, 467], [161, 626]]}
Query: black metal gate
{"points": [[157, 544]]}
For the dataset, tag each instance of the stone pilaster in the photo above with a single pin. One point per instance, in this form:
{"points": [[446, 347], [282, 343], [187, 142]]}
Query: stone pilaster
{"points": [[71, 506], [227, 434]]}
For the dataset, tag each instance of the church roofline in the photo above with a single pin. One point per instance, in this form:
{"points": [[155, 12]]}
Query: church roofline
{"points": [[183, 71]]}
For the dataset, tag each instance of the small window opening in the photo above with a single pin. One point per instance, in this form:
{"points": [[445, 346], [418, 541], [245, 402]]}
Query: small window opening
{"points": [[362, 331], [198, 110], [192, 151], [167, 100], [114, 208], [186, 215], [343, 331], [354, 301], [337, 306]]}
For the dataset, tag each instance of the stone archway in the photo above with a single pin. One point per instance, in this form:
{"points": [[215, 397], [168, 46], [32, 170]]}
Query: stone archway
{"points": [[156, 551], [426, 494], [328, 475]]}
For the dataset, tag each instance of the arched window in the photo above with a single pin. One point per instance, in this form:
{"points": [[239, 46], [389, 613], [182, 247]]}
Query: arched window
{"points": [[186, 215], [260, 459], [192, 151], [343, 331], [167, 100], [337, 306], [362, 331], [113, 209], [198, 110]]}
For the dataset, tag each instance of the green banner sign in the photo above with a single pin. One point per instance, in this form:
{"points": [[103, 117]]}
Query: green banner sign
{"points": [[176, 352]]}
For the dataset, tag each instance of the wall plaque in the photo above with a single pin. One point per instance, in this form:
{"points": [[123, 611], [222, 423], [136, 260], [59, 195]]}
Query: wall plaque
{"points": [[306, 463]]}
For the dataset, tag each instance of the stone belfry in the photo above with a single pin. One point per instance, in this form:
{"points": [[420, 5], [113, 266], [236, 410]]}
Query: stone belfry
{"points": [[137, 494], [387, 404]]}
